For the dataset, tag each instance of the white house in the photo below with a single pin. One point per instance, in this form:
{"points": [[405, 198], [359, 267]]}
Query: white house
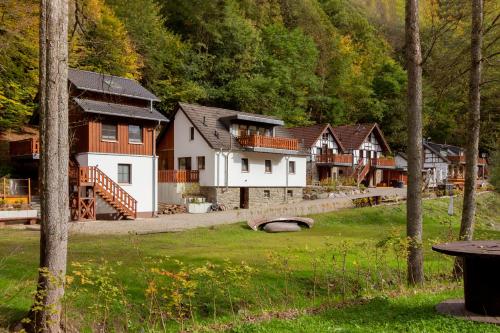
{"points": [[435, 165], [455, 157], [238, 159]]}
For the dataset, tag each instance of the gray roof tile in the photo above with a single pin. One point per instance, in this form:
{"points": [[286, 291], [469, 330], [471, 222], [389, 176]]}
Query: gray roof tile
{"points": [[114, 109], [209, 122], [109, 84]]}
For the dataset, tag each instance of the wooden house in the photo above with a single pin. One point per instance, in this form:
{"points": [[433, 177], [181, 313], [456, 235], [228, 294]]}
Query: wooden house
{"points": [[113, 162]]}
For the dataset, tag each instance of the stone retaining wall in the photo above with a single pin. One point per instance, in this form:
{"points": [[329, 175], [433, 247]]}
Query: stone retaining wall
{"points": [[258, 196]]}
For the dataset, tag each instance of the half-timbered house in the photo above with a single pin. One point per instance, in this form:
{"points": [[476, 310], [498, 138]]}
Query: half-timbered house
{"points": [[372, 163], [326, 152], [455, 158]]}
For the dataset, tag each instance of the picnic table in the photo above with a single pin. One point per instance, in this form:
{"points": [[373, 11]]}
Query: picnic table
{"points": [[481, 267]]}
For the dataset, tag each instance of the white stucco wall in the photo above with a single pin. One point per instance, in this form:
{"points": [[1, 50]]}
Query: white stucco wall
{"points": [[215, 162], [184, 147], [143, 175], [401, 162], [436, 166], [329, 142], [371, 147], [257, 177]]}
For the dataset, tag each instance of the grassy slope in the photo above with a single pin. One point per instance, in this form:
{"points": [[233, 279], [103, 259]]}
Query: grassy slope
{"points": [[235, 242]]}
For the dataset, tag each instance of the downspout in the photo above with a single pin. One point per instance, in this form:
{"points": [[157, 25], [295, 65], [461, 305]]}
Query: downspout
{"points": [[155, 183], [218, 167], [226, 167], [226, 155], [287, 158]]}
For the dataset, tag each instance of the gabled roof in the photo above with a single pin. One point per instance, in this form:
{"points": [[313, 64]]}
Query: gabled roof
{"points": [[109, 84], [433, 149], [455, 150], [120, 110], [353, 136], [211, 123], [309, 135]]}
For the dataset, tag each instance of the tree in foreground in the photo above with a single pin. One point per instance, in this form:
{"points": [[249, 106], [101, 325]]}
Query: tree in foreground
{"points": [[414, 106], [53, 164], [473, 124]]}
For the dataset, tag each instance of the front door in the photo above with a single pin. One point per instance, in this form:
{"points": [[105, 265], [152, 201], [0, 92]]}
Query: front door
{"points": [[244, 197], [325, 173]]}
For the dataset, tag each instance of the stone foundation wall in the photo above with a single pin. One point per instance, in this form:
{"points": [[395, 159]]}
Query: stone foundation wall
{"points": [[258, 196]]}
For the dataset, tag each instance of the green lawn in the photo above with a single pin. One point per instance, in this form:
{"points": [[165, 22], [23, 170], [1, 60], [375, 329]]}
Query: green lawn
{"points": [[130, 284]]}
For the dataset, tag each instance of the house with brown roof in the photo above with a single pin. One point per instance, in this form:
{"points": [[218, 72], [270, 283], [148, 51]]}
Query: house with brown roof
{"points": [[372, 163], [327, 156], [236, 159], [113, 162]]}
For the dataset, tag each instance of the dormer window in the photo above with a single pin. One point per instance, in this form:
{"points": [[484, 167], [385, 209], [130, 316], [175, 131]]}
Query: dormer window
{"points": [[134, 134], [109, 132]]}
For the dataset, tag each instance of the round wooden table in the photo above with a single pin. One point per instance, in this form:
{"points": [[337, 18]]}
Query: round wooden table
{"points": [[481, 273]]}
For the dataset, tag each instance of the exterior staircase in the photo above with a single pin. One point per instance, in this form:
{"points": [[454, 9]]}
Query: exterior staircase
{"points": [[35, 204], [361, 170], [112, 193]]}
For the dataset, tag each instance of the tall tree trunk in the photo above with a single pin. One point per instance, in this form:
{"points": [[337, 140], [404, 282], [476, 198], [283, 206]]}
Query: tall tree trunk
{"points": [[53, 164], [414, 100], [473, 124]]}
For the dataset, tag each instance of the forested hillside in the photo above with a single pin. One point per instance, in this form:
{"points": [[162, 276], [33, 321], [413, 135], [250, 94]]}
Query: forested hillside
{"points": [[337, 61]]}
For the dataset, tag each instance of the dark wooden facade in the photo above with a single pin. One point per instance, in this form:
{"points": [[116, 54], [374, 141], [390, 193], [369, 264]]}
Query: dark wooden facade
{"points": [[165, 149], [86, 128], [86, 137]]}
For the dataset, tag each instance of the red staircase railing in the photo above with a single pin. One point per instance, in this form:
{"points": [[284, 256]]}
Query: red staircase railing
{"points": [[363, 172], [115, 192]]}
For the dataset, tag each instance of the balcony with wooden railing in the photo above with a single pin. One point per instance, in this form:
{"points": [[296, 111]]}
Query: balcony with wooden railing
{"points": [[26, 147], [335, 159], [178, 176], [262, 141], [460, 159], [383, 162]]}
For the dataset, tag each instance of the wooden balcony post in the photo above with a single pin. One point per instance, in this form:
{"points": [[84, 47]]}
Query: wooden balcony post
{"points": [[29, 191]]}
